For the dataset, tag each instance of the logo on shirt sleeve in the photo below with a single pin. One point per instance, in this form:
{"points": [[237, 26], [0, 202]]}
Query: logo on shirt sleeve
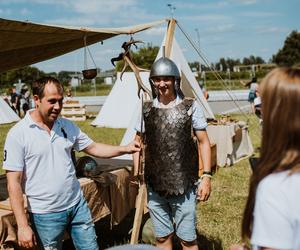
{"points": [[5, 155]]}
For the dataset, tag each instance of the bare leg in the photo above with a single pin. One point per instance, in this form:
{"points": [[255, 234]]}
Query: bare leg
{"points": [[165, 243]]}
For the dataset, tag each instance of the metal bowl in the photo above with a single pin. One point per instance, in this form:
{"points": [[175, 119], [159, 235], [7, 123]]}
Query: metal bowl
{"points": [[89, 73]]}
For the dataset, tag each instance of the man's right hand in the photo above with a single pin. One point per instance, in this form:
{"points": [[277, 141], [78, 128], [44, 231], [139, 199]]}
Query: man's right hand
{"points": [[26, 237]]}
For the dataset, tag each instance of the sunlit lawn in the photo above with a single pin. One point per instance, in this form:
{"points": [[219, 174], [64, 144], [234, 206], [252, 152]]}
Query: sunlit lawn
{"points": [[219, 219]]}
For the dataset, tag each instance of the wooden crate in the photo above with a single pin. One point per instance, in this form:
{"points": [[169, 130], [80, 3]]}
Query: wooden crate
{"points": [[74, 111]]}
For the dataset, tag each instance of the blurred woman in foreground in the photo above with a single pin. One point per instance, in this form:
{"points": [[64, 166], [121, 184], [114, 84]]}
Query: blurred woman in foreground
{"points": [[272, 214]]}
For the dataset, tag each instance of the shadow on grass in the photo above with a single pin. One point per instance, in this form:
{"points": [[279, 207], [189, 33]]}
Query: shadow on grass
{"points": [[207, 243], [110, 236], [204, 243], [120, 234]]}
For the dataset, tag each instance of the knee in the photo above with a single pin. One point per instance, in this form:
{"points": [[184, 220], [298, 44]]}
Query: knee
{"points": [[162, 240], [188, 243]]}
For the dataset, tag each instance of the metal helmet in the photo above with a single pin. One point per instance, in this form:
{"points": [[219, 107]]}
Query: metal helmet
{"points": [[165, 67]]}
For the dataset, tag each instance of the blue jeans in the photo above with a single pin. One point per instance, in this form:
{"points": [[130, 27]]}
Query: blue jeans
{"points": [[77, 220], [179, 210]]}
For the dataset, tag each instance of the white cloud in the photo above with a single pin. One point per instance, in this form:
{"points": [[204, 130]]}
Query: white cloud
{"points": [[244, 2], [199, 6], [156, 31], [259, 14], [222, 28], [101, 6], [207, 17], [104, 13], [263, 30], [55, 2], [25, 12], [4, 12], [73, 21]]}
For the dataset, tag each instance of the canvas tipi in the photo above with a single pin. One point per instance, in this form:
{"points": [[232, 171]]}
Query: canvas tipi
{"points": [[7, 115], [122, 104]]}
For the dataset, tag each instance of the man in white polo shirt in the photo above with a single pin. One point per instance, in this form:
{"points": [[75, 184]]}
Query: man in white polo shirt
{"points": [[37, 159]]}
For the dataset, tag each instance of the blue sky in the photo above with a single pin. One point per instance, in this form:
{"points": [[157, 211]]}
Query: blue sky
{"points": [[227, 28]]}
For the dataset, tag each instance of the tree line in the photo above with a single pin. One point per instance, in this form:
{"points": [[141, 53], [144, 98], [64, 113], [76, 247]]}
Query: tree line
{"points": [[288, 55]]}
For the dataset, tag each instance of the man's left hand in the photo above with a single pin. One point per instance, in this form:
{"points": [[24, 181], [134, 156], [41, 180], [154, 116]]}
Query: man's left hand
{"points": [[133, 147], [204, 189]]}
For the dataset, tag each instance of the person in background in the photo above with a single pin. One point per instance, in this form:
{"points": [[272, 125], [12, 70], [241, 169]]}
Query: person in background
{"points": [[272, 214], [68, 94], [37, 160], [25, 99], [204, 90], [15, 100], [171, 157], [253, 86], [257, 106]]}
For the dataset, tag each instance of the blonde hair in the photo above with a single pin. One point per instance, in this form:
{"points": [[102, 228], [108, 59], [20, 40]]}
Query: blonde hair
{"points": [[280, 149]]}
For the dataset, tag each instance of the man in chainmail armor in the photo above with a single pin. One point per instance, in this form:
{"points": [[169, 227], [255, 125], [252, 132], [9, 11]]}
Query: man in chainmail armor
{"points": [[170, 124]]}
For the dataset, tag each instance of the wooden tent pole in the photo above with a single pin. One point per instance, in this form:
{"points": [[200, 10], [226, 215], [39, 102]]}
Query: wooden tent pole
{"points": [[169, 38]]}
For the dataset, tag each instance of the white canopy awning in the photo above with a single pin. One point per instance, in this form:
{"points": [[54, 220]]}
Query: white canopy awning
{"points": [[26, 43]]}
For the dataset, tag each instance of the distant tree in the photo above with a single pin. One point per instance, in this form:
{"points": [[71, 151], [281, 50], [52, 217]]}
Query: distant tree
{"points": [[64, 76], [144, 57], [232, 62], [26, 74], [223, 63], [195, 66], [289, 55], [253, 60]]}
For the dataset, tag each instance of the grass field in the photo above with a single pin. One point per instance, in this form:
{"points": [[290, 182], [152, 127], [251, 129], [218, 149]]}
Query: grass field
{"points": [[219, 219], [102, 89]]}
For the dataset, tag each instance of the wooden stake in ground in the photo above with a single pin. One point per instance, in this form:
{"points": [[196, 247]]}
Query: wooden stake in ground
{"points": [[141, 197], [140, 201]]}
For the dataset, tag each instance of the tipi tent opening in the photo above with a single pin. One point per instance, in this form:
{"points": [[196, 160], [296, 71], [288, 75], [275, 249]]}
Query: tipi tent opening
{"points": [[7, 115]]}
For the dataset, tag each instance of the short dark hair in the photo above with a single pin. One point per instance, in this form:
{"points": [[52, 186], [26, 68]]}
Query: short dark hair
{"points": [[38, 86]]}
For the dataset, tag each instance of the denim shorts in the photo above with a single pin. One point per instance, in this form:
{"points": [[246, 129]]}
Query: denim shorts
{"points": [[77, 220], [173, 213]]}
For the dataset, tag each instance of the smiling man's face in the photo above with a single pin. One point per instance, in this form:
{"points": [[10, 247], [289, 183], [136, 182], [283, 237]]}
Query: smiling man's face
{"points": [[164, 85], [50, 105]]}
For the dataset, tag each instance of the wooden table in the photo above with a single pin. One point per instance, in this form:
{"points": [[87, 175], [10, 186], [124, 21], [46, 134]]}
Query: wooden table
{"points": [[116, 199], [232, 141]]}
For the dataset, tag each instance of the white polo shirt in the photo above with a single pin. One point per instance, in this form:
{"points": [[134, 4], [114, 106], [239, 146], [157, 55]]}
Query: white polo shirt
{"points": [[49, 177]]}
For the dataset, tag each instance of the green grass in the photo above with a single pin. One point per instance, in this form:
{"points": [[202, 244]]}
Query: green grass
{"points": [[227, 84], [88, 90], [3, 132], [219, 219], [104, 135]]}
